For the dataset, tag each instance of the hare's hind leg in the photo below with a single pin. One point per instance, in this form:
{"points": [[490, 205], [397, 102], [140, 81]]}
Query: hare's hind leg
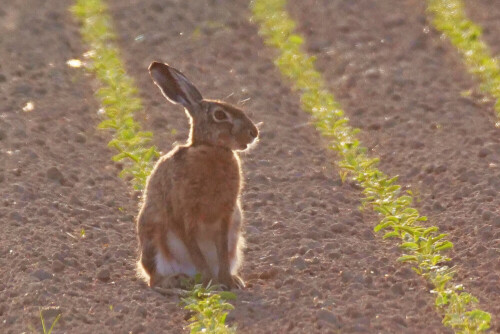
{"points": [[147, 261], [151, 225], [193, 248]]}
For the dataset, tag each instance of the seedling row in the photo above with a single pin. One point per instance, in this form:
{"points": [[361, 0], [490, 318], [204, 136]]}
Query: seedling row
{"points": [[423, 246]]}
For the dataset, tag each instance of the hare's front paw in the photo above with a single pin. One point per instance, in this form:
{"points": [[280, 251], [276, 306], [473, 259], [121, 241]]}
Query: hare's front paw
{"points": [[231, 281], [238, 282]]}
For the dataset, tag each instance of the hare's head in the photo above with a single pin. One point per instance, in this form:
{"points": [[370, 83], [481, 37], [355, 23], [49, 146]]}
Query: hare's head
{"points": [[213, 123]]}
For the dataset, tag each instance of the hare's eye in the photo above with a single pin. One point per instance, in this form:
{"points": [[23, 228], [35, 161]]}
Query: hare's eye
{"points": [[220, 115]]}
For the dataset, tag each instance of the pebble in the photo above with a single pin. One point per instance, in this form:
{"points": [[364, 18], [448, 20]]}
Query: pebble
{"points": [[372, 73]]}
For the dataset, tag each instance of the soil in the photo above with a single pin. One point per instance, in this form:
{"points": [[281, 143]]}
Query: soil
{"points": [[313, 263]]}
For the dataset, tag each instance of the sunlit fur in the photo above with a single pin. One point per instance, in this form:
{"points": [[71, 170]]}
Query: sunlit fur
{"points": [[191, 202]]}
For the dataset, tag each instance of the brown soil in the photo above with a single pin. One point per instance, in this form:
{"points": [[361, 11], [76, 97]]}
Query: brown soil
{"points": [[312, 263]]}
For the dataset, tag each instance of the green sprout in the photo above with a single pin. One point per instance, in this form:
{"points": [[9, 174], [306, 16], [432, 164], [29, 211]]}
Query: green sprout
{"points": [[209, 309]]}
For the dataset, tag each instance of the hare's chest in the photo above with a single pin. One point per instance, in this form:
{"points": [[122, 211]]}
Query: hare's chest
{"points": [[218, 180], [210, 182]]}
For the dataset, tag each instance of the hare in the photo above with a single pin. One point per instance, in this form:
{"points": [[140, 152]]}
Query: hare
{"points": [[190, 220]]}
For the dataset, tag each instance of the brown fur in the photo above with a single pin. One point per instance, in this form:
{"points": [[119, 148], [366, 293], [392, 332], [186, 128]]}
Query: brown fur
{"points": [[193, 190]]}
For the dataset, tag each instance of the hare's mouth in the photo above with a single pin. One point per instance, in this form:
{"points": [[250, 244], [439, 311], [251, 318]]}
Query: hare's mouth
{"points": [[247, 145]]}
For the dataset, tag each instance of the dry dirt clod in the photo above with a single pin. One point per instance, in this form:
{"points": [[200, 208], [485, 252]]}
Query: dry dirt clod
{"points": [[57, 266], [483, 152], [139, 328], [80, 138], [51, 312], [104, 275], [55, 175], [298, 262], [42, 275], [141, 311], [270, 273], [328, 317]]}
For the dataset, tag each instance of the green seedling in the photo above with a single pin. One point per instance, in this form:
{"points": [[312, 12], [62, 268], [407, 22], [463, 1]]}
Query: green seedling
{"points": [[53, 323], [209, 308], [449, 17], [117, 94], [423, 246]]}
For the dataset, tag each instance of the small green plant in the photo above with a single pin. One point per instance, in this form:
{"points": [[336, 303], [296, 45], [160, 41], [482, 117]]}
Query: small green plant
{"points": [[209, 309], [53, 323], [424, 247], [465, 35], [119, 98]]}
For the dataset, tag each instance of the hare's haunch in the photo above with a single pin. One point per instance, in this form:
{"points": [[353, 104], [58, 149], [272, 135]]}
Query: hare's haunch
{"points": [[190, 221]]}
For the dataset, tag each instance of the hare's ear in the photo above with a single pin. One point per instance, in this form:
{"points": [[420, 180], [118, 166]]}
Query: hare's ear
{"points": [[174, 85]]}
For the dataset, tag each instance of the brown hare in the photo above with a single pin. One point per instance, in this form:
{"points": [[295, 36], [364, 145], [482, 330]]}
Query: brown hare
{"points": [[190, 221]]}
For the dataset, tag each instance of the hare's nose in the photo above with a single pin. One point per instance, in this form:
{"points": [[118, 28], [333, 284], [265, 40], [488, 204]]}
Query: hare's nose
{"points": [[253, 133]]}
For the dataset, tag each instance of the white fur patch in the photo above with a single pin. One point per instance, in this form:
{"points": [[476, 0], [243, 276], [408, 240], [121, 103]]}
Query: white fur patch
{"points": [[181, 262]]}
